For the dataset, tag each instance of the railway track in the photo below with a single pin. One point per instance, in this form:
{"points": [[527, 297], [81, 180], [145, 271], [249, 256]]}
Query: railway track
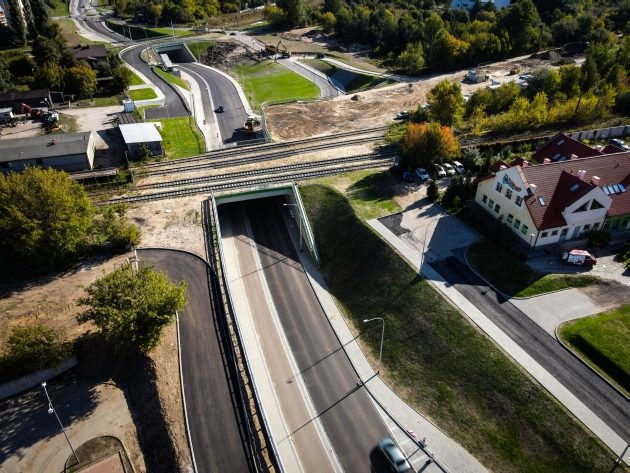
{"points": [[246, 150], [308, 174], [275, 169]]}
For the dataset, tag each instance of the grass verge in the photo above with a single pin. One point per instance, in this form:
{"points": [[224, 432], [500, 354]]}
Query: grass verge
{"points": [[439, 361], [69, 32], [200, 47], [172, 78], [142, 94], [515, 278], [352, 82], [602, 340], [166, 31], [135, 79], [181, 137], [270, 82], [60, 8]]}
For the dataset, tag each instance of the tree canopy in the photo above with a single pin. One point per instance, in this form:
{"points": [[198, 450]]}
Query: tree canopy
{"points": [[446, 103], [425, 143], [131, 307]]}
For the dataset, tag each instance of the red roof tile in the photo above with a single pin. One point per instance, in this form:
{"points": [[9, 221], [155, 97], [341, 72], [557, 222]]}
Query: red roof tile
{"points": [[496, 166], [561, 147], [553, 182]]}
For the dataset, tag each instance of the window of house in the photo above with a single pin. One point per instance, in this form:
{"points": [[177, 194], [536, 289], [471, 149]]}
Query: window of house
{"points": [[508, 193], [524, 229], [596, 225], [490, 203], [499, 187], [517, 223], [519, 200], [587, 226], [596, 205], [554, 233], [581, 208], [484, 198], [544, 235], [510, 218], [564, 232], [497, 207]]}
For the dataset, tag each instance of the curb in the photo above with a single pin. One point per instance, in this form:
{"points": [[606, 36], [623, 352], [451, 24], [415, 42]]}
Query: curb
{"points": [[237, 86]]}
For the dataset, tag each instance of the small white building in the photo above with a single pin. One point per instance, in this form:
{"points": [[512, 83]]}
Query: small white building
{"points": [[469, 4], [552, 202], [138, 134]]}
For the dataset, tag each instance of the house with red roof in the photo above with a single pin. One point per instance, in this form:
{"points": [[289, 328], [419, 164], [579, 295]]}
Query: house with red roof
{"points": [[559, 200]]}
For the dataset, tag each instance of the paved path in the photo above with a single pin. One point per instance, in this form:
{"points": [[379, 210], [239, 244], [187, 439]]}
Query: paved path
{"points": [[214, 423], [321, 80], [616, 416]]}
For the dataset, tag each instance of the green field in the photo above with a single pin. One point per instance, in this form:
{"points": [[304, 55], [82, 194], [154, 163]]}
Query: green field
{"points": [[69, 32], [515, 278], [135, 80], [107, 100], [181, 137], [351, 81], [146, 93], [173, 79], [167, 31], [270, 82], [604, 341], [200, 47], [60, 8], [439, 362]]}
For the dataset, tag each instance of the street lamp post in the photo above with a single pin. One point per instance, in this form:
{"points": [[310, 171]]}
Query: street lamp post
{"points": [[380, 353], [51, 410], [529, 247], [299, 220], [424, 242]]}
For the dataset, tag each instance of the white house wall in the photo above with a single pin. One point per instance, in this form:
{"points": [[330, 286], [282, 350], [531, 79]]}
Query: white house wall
{"points": [[588, 216]]}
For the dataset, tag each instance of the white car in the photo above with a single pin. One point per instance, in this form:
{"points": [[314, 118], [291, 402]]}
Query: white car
{"points": [[439, 171], [450, 170], [459, 167]]}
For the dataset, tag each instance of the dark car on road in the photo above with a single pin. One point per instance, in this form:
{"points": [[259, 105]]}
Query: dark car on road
{"points": [[220, 109], [394, 455]]}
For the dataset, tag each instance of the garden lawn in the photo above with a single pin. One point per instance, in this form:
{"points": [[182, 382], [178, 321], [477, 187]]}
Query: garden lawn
{"points": [[437, 360], [142, 94], [181, 137], [270, 82], [172, 78], [515, 278], [604, 340]]}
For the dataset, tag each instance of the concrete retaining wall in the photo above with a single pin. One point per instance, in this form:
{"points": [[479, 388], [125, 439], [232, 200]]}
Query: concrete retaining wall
{"points": [[601, 133], [18, 385]]}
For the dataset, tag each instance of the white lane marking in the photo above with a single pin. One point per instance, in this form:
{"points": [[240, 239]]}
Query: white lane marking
{"points": [[297, 375], [213, 119]]}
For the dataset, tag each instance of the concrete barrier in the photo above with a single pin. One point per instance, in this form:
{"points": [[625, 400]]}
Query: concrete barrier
{"points": [[28, 381]]}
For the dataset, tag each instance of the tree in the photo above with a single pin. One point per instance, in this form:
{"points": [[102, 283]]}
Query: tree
{"points": [[131, 307], [44, 216], [328, 21], [425, 143], [121, 77], [274, 15], [295, 12], [6, 79], [33, 347], [446, 103], [411, 60], [80, 81], [50, 75]]}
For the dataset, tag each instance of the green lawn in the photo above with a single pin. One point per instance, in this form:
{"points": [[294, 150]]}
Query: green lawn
{"points": [[370, 192], [107, 100], [604, 340], [270, 82], [352, 82], [135, 80], [200, 47], [172, 78], [69, 32], [515, 278], [142, 94], [439, 362], [181, 137], [60, 8], [167, 31]]}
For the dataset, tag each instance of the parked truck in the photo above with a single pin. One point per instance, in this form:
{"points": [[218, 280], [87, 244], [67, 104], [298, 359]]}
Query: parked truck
{"points": [[473, 76]]}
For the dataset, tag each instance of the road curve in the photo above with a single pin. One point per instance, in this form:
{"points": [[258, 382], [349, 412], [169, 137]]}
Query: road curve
{"points": [[597, 395], [208, 380]]}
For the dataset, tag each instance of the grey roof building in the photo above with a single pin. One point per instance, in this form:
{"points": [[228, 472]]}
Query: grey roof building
{"points": [[69, 152], [137, 134]]}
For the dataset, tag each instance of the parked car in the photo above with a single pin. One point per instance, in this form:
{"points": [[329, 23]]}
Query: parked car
{"points": [[394, 455], [422, 174], [402, 115], [439, 171], [620, 144], [407, 176], [450, 170], [579, 257], [220, 109], [459, 167]]}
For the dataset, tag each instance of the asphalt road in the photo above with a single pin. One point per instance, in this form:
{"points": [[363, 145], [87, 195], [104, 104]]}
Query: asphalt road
{"points": [[224, 94], [351, 422], [213, 419], [597, 395]]}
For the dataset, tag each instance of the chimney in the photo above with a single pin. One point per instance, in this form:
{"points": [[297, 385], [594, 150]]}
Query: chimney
{"points": [[581, 174], [502, 167], [573, 156], [595, 180], [546, 161], [532, 188]]}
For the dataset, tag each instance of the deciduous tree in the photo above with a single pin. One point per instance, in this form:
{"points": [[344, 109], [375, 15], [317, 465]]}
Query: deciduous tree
{"points": [[425, 143], [80, 81], [131, 307], [411, 60], [6, 79], [446, 103]]}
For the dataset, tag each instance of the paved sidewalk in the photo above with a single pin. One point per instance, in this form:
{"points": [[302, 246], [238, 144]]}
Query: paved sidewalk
{"points": [[572, 403], [450, 456]]}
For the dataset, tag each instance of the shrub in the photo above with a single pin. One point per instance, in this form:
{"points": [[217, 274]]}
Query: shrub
{"points": [[33, 347], [598, 238], [432, 191]]}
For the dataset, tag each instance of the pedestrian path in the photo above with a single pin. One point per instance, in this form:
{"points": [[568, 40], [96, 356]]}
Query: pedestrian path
{"points": [[600, 429]]}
